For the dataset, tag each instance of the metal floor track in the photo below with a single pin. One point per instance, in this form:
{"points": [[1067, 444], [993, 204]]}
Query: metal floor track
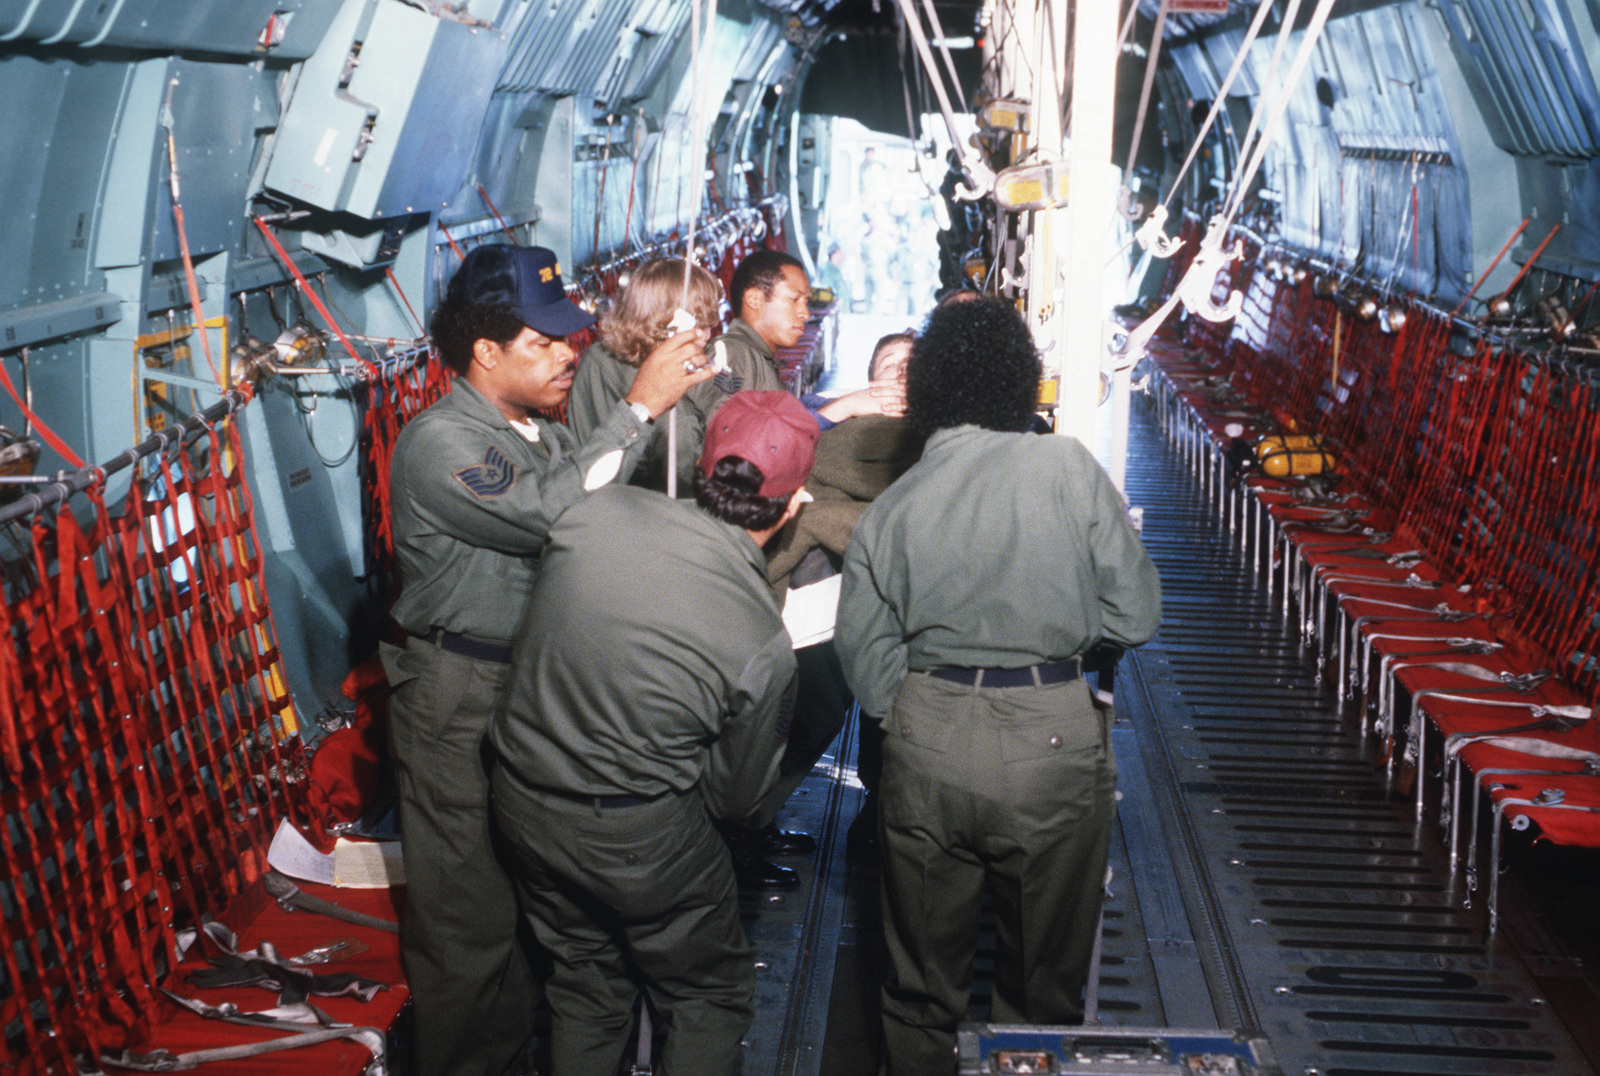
{"points": [[1317, 908]]}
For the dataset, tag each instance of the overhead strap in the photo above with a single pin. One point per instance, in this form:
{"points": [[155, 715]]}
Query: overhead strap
{"points": [[62, 448], [1129, 210], [1280, 101], [1199, 283], [699, 53], [980, 179], [1250, 36], [949, 61]]}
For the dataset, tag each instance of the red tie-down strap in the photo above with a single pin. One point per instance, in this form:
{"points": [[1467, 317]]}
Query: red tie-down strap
{"points": [[1396, 407], [45, 432]]}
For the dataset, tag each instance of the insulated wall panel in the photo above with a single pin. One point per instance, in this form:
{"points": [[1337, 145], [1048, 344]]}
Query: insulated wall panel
{"points": [[1534, 81], [58, 124], [386, 115], [288, 29]]}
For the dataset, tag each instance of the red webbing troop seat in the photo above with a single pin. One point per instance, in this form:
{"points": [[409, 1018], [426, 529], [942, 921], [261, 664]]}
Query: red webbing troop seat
{"points": [[147, 741], [1463, 528], [149, 751]]}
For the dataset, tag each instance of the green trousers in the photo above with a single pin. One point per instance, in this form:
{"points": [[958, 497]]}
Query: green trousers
{"points": [[472, 985], [630, 898], [1012, 785]]}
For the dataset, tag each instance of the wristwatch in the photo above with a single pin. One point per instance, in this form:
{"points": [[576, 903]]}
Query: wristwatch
{"points": [[641, 412]]}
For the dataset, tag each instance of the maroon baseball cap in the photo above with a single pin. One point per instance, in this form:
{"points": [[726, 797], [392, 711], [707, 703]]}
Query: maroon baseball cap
{"points": [[772, 430]]}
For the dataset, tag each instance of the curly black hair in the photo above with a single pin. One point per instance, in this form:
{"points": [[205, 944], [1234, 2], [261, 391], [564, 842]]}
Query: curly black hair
{"points": [[975, 364], [731, 493], [760, 270], [457, 326]]}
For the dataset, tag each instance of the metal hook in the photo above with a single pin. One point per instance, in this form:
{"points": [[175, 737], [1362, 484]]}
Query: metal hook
{"points": [[171, 443], [1152, 234], [1209, 261], [977, 180], [1018, 280], [1135, 341]]}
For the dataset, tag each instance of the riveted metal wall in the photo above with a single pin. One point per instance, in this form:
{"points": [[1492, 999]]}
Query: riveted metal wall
{"points": [[281, 29], [1533, 79], [607, 50]]}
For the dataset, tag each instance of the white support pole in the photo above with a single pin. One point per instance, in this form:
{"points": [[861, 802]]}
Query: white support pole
{"points": [[1089, 215], [1046, 317]]}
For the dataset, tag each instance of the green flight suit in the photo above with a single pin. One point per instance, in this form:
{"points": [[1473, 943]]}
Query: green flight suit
{"points": [[651, 685], [857, 459], [600, 381], [996, 550], [751, 365], [473, 499]]}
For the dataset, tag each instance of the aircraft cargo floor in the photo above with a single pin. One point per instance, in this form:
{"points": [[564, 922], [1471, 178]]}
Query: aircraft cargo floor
{"points": [[1264, 878]]}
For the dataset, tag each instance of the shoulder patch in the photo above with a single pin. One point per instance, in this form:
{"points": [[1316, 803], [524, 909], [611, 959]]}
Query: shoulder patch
{"points": [[727, 383], [490, 478]]}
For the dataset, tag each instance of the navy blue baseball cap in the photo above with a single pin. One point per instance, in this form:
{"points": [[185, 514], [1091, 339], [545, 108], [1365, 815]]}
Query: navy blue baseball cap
{"points": [[527, 279]]}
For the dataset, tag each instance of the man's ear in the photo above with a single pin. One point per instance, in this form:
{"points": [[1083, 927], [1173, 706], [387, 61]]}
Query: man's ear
{"points": [[485, 353], [752, 301]]}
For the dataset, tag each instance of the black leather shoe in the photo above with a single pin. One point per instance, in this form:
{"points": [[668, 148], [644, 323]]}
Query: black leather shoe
{"points": [[753, 872], [772, 841]]}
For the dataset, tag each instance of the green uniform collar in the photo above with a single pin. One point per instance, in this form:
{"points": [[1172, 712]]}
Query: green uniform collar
{"points": [[949, 434], [747, 545], [742, 329], [475, 404]]}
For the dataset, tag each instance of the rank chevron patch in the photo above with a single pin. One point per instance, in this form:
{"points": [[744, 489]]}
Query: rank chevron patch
{"points": [[490, 478]]}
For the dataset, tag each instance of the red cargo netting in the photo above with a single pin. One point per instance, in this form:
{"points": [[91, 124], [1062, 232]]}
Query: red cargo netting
{"points": [[143, 729], [396, 393]]}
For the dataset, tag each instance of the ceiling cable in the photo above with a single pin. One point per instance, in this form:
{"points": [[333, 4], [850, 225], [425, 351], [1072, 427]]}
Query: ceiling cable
{"points": [[1222, 96], [944, 47], [1126, 194]]}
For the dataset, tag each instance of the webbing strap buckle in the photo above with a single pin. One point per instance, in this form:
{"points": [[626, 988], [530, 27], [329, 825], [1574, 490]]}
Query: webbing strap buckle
{"points": [[290, 897]]}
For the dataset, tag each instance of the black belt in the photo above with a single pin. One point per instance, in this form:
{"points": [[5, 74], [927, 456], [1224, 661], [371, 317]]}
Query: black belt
{"points": [[1049, 672], [467, 647], [598, 801]]}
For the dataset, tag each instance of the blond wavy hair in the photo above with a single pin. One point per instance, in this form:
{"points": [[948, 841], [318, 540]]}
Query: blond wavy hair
{"points": [[638, 320]]}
